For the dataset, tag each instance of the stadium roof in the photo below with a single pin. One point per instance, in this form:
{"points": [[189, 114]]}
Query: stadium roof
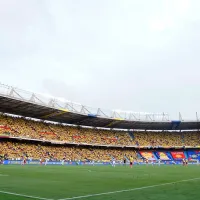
{"points": [[20, 102]]}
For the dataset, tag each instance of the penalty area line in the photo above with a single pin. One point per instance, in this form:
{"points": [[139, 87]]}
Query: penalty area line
{"points": [[128, 190], [23, 195]]}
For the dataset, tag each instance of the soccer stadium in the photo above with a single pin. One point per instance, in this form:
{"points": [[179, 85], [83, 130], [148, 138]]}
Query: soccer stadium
{"points": [[99, 100], [55, 150]]}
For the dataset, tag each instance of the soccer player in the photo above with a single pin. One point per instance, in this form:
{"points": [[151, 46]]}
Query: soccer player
{"points": [[46, 161], [186, 162], [24, 161], [131, 162], [1, 160], [113, 162], [124, 161], [183, 161], [146, 161], [158, 162], [63, 162]]}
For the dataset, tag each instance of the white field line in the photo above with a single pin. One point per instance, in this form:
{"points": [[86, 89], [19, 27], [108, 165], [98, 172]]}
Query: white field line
{"points": [[23, 195], [128, 190]]}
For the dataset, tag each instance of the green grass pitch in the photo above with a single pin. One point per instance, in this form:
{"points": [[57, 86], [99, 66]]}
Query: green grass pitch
{"points": [[68, 182]]}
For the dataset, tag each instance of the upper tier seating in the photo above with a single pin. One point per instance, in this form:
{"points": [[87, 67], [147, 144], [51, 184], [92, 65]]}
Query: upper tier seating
{"points": [[21, 127]]}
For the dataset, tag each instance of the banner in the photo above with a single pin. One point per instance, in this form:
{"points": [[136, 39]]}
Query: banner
{"points": [[163, 156], [147, 155], [47, 133], [5, 127], [178, 155], [78, 136], [194, 155]]}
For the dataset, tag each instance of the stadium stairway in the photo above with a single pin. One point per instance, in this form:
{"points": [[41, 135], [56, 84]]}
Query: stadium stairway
{"points": [[112, 158], [155, 155], [131, 134], [171, 156], [186, 154], [175, 125], [126, 158], [183, 138], [30, 125], [139, 155]]}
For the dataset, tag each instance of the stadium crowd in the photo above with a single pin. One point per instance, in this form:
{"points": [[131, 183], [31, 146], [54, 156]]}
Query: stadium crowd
{"points": [[22, 127], [17, 150]]}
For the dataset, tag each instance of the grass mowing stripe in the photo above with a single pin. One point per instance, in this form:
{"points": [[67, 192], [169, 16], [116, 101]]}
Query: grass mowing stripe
{"points": [[23, 195], [128, 190], [4, 175]]}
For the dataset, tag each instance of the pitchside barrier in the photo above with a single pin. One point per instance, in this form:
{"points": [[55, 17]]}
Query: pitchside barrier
{"points": [[37, 162]]}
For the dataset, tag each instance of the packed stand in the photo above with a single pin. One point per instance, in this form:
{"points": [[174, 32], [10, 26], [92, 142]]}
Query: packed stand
{"points": [[21, 127], [191, 139], [155, 139], [35, 129], [17, 150]]}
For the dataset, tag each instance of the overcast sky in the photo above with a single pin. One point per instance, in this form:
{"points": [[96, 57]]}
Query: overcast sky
{"points": [[134, 55]]}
